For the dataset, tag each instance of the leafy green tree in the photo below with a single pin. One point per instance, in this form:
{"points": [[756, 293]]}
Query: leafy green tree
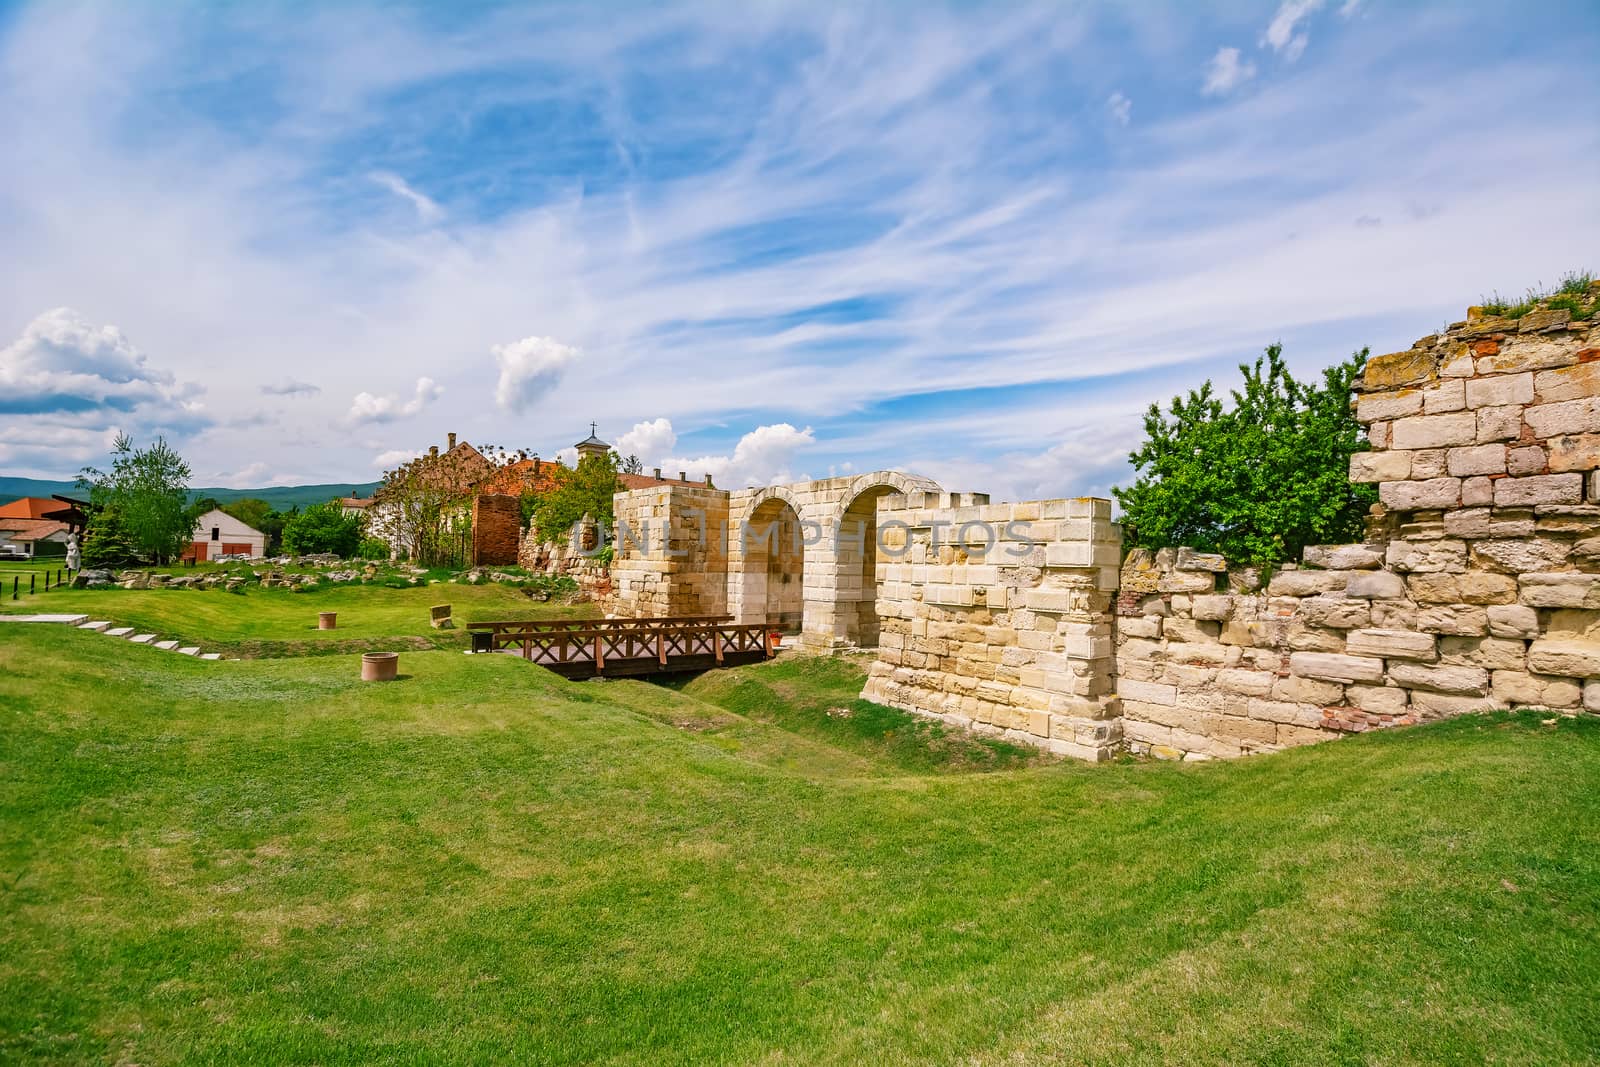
{"points": [[1256, 480], [587, 491], [323, 528], [106, 541], [147, 489]]}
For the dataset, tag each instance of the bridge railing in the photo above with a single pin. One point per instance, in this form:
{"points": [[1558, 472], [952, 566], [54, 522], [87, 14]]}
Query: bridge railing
{"points": [[642, 646]]}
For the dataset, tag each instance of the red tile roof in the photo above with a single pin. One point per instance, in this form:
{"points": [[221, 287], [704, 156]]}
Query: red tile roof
{"points": [[30, 507]]}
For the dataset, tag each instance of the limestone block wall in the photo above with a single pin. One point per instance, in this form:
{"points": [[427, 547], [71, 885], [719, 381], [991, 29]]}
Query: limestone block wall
{"points": [[671, 552], [1479, 588], [997, 617]]}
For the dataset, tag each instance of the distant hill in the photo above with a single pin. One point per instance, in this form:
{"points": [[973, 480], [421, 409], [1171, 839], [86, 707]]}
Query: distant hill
{"points": [[280, 497]]}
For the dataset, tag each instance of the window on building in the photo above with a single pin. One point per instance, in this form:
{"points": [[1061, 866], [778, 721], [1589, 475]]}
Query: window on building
{"points": [[216, 533]]}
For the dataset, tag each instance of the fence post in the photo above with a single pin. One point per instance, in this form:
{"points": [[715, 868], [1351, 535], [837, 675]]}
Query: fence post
{"points": [[16, 583], [31, 578]]}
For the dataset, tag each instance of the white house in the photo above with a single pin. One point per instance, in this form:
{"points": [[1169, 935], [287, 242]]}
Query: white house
{"points": [[217, 533]]}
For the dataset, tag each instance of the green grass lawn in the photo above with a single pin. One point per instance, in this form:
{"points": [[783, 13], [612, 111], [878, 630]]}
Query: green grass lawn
{"points": [[272, 622], [267, 861]]}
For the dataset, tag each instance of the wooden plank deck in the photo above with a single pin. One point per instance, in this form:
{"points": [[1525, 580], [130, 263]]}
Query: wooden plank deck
{"points": [[616, 648]]}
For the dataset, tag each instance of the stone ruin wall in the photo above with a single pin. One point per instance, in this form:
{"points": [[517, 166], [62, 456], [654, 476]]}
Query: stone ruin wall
{"points": [[1479, 587], [1010, 636], [682, 568], [496, 530]]}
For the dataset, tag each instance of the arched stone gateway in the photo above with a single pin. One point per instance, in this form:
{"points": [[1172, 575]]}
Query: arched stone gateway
{"points": [[991, 616]]}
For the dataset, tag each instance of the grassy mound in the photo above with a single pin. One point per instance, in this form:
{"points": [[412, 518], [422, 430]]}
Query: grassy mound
{"points": [[268, 861]]}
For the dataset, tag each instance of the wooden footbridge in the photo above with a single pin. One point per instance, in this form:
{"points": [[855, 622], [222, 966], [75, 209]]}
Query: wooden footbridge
{"points": [[615, 648]]}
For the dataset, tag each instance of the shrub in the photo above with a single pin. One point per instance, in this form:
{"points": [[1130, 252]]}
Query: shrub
{"points": [[323, 528], [1257, 481], [374, 548]]}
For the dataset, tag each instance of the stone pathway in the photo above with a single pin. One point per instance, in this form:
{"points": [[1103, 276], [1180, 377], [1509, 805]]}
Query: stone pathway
{"points": [[124, 633]]}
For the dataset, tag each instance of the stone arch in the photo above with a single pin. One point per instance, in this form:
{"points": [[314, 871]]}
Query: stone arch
{"points": [[855, 562], [768, 561]]}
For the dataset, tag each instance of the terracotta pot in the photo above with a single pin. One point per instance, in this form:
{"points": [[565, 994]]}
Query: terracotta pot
{"points": [[379, 666], [327, 620]]}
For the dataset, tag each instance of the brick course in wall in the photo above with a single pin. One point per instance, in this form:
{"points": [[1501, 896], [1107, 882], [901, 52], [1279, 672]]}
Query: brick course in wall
{"points": [[496, 530]]}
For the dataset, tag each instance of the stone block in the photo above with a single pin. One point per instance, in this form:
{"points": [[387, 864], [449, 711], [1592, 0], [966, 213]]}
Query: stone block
{"points": [[1476, 459], [1435, 431], [1575, 452], [1159, 694], [1334, 667], [1427, 557], [1520, 555], [1186, 582], [1375, 585], [1336, 611], [1292, 690], [1417, 495], [1383, 407], [1520, 689], [1377, 699], [1500, 390], [1305, 583], [1395, 369], [1427, 704], [1428, 463], [1245, 682], [1394, 615], [1566, 658], [1147, 626], [1544, 320], [1380, 466], [1303, 638], [1566, 383], [1539, 489], [1442, 396], [1500, 424], [1559, 589], [1526, 459], [1483, 587], [1591, 695], [1459, 620], [1562, 417], [1458, 363], [1190, 560], [1392, 644], [1513, 620], [1525, 356], [1343, 557], [1494, 653], [1214, 607], [1441, 678]]}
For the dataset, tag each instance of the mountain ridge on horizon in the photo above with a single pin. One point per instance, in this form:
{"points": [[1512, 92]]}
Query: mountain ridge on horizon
{"points": [[279, 496]]}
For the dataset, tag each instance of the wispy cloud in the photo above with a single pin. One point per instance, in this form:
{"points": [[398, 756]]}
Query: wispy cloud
{"points": [[1120, 107], [1226, 72], [290, 387], [1283, 33], [427, 209]]}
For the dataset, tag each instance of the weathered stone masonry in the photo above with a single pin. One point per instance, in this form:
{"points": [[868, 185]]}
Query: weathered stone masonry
{"points": [[1479, 586], [1479, 589]]}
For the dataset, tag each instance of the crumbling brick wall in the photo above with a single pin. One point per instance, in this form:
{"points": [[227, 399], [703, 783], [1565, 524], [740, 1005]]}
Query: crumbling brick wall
{"points": [[496, 530]]}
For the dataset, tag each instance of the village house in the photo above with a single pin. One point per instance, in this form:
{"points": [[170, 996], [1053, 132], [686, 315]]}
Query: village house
{"points": [[33, 526], [217, 534]]}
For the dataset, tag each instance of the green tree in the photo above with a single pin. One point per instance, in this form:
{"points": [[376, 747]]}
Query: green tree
{"points": [[633, 465], [1258, 480], [147, 490], [323, 528], [587, 491], [259, 514], [106, 541]]}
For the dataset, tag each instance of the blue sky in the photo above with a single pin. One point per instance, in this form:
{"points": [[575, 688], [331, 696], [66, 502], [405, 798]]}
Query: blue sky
{"points": [[766, 241]]}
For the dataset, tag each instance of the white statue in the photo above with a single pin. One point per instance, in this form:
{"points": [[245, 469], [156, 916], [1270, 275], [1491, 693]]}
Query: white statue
{"points": [[74, 560]]}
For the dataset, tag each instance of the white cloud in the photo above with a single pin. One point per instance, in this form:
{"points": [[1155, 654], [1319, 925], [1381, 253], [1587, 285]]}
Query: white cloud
{"points": [[1120, 106], [427, 209], [63, 363], [369, 407], [529, 368], [1349, 8], [762, 457], [394, 458], [290, 387], [1226, 72], [651, 441], [567, 456], [1282, 33]]}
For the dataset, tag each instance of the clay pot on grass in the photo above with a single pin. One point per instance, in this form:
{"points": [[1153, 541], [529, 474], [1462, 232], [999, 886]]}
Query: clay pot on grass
{"points": [[379, 666], [327, 620]]}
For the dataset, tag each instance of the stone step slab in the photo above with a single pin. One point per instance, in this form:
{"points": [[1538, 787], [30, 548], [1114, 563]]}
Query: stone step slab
{"points": [[192, 650], [142, 639], [119, 631], [211, 655], [166, 646], [97, 627]]}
